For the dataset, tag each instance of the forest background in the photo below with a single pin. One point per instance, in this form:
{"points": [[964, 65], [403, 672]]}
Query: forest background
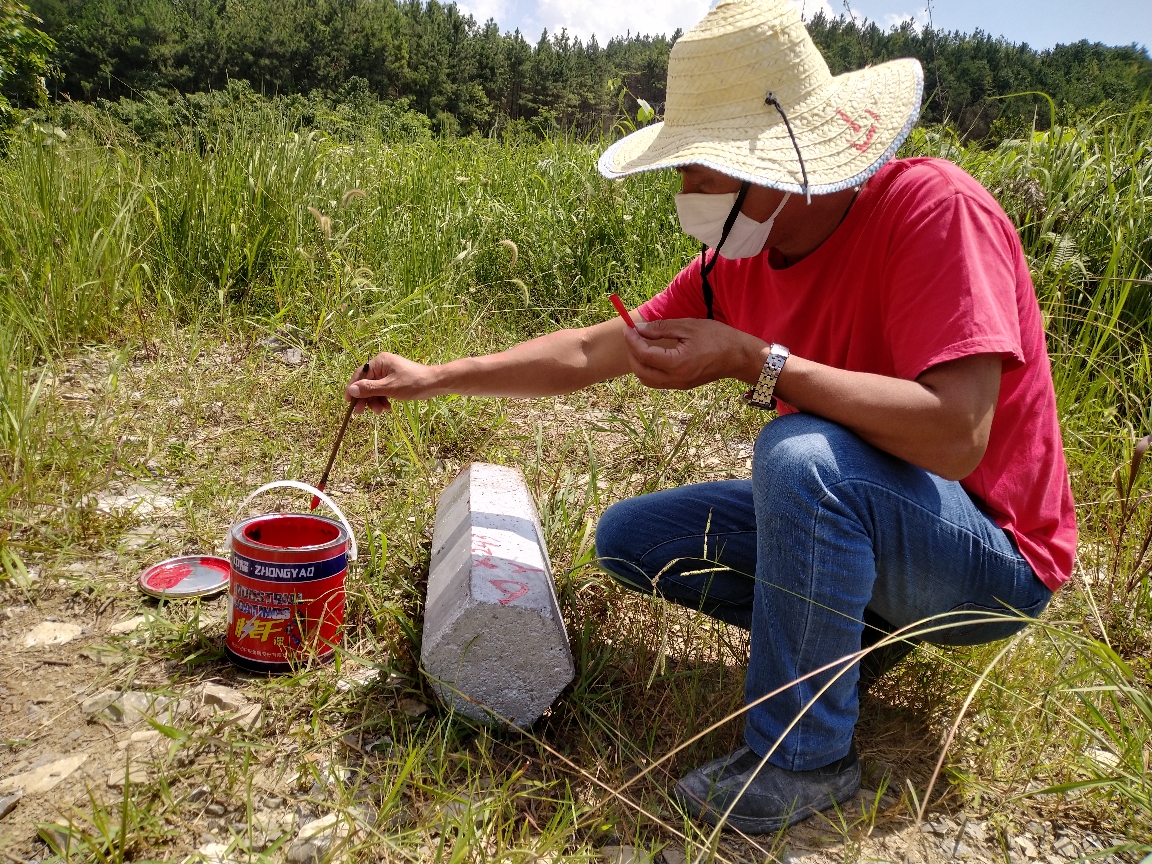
{"points": [[468, 77]]}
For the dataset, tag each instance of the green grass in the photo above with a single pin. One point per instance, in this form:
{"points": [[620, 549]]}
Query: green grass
{"points": [[137, 284]]}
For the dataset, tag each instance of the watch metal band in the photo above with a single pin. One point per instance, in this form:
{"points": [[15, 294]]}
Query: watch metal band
{"points": [[760, 396]]}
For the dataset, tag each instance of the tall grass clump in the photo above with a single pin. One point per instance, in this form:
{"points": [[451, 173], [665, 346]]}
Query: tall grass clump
{"points": [[69, 223]]}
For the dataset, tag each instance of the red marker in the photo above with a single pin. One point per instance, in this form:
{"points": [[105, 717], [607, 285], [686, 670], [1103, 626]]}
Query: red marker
{"points": [[622, 309]]}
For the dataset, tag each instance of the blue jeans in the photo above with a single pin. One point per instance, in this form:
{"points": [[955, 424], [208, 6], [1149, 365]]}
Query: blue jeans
{"points": [[828, 531]]}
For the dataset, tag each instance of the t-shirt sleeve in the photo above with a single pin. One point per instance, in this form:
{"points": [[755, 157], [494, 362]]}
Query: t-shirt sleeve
{"points": [[683, 298], [950, 286]]}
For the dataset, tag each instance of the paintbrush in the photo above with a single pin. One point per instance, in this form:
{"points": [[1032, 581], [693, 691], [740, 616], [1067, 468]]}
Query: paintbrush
{"points": [[335, 448]]}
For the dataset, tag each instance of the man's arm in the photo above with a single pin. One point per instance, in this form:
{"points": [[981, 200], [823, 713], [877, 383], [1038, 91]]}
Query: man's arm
{"points": [[560, 362], [939, 422]]}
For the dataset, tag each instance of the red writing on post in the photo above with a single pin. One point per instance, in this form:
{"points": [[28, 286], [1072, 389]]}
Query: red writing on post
{"points": [[510, 589]]}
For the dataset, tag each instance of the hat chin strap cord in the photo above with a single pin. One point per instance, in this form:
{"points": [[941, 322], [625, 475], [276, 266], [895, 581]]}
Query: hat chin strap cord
{"points": [[706, 265], [771, 99]]}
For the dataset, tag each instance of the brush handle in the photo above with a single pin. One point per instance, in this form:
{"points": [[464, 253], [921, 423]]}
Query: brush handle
{"points": [[335, 448]]}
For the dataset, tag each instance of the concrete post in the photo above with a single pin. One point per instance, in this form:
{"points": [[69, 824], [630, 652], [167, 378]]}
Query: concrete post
{"points": [[492, 627]]}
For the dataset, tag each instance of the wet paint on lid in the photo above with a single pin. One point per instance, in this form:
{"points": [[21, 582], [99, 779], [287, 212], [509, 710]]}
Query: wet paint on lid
{"points": [[188, 576]]}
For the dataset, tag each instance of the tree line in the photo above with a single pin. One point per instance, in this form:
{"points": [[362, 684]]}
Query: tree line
{"points": [[468, 77]]}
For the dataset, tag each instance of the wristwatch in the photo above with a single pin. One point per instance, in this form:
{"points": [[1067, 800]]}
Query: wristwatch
{"points": [[760, 396]]}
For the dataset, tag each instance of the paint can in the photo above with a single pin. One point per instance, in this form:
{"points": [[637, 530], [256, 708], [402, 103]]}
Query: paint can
{"points": [[286, 593]]}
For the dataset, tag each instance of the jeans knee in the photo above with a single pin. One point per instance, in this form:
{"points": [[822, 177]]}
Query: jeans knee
{"points": [[796, 450], [616, 550]]}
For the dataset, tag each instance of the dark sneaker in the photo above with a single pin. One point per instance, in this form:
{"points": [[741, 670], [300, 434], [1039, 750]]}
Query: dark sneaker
{"points": [[774, 799]]}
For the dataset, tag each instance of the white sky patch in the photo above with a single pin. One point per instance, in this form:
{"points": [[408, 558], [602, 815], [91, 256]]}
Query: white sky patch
{"points": [[606, 18], [918, 19], [810, 8], [1040, 23], [583, 18]]}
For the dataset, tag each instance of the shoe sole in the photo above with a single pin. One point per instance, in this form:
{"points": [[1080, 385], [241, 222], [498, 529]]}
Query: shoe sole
{"points": [[752, 825]]}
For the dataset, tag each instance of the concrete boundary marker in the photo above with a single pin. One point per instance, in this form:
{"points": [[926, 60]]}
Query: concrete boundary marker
{"points": [[492, 625]]}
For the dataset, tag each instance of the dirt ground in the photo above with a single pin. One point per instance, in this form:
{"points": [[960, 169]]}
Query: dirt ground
{"points": [[68, 749], [124, 734]]}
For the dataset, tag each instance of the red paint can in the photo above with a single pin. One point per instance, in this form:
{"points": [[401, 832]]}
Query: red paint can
{"points": [[286, 593]]}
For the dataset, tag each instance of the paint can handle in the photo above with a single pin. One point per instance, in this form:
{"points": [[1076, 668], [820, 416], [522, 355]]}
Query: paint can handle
{"points": [[303, 487]]}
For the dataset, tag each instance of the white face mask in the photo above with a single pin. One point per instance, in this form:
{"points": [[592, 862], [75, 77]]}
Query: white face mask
{"points": [[703, 217]]}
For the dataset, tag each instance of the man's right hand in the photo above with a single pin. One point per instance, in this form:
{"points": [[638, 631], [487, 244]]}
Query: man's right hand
{"points": [[389, 377]]}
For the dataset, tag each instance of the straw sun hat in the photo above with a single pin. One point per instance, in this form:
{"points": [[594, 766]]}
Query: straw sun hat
{"points": [[746, 73]]}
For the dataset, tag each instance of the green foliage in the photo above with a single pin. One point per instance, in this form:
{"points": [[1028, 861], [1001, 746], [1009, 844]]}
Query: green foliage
{"points": [[470, 77], [463, 76], [194, 120], [25, 60]]}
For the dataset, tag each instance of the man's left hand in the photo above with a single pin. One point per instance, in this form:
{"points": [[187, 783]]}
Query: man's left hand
{"points": [[683, 353]]}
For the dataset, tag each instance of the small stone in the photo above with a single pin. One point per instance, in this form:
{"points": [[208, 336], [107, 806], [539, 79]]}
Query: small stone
{"points": [[459, 808], [215, 809], [60, 839], [954, 848], [315, 839], [137, 498], [51, 633], [135, 706], [625, 855], [292, 357], [412, 707], [198, 794], [8, 802], [103, 655], [206, 838], [673, 855], [976, 831], [1054, 859], [273, 803], [215, 853], [127, 626], [250, 719], [222, 698], [44, 778], [133, 775], [1066, 847], [1026, 846]]}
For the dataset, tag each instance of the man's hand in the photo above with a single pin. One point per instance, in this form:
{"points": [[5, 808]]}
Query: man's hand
{"points": [[683, 353], [389, 377]]}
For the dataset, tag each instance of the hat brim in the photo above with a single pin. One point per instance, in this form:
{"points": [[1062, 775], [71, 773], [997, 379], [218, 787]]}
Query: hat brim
{"points": [[845, 134]]}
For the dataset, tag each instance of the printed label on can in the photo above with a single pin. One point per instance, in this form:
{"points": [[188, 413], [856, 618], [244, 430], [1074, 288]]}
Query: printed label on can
{"points": [[288, 572], [278, 612]]}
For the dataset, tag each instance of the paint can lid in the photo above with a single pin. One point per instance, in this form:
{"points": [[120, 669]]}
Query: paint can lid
{"points": [[187, 576]]}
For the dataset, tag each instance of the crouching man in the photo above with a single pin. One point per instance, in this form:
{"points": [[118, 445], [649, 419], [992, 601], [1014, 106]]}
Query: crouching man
{"points": [[885, 309]]}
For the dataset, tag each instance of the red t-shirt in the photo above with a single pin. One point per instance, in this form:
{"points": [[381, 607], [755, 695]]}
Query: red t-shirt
{"points": [[925, 268]]}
